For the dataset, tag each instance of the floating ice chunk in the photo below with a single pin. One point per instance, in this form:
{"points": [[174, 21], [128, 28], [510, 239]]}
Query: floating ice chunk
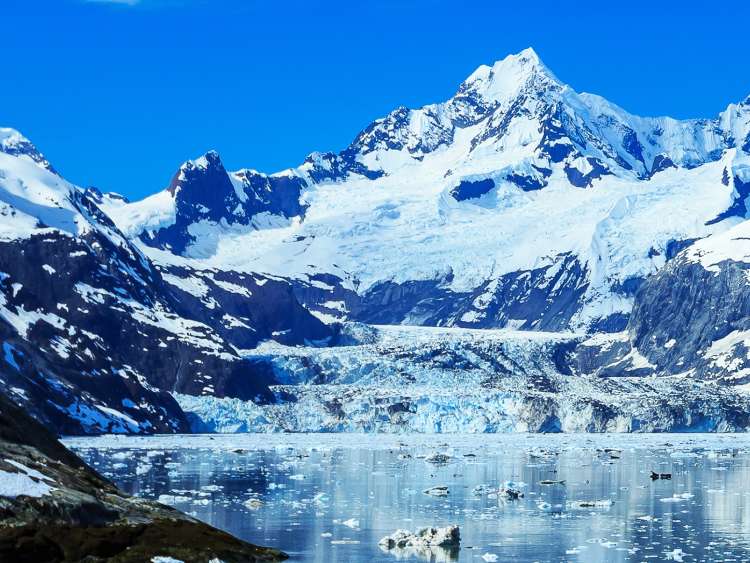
{"points": [[482, 489], [509, 493], [143, 468], [675, 555], [172, 499], [253, 503], [351, 523], [437, 491], [438, 459], [450, 536], [682, 497], [579, 504], [490, 557]]}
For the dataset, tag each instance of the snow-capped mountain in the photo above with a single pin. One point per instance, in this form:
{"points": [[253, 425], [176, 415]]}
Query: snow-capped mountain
{"points": [[93, 336], [516, 204]]}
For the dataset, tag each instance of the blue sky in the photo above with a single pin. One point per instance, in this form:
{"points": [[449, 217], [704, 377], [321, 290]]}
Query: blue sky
{"points": [[118, 93]]}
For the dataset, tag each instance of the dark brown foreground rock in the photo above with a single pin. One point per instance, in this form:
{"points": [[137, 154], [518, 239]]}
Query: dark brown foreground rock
{"points": [[85, 518]]}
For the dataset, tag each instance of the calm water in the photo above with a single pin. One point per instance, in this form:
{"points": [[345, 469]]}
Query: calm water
{"points": [[333, 497]]}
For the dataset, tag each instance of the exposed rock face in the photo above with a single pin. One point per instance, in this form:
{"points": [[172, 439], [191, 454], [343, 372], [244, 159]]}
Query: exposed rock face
{"points": [[693, 316], [108, 335], [204, 192], [545, 298], [65, 512], [690, 318], [245, 309]]}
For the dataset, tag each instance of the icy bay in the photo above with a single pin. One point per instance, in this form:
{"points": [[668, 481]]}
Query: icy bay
{"points": [[333, 497]]}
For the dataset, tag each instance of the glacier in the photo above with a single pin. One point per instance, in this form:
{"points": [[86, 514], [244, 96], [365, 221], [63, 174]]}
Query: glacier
{"points": [[402, 379]]}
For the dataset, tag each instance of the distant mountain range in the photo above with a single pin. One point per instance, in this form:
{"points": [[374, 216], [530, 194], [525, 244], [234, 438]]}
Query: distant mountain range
{"points": [[518, 204]]}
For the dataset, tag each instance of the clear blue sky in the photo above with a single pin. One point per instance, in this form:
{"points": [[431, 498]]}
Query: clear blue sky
{"points": [[118, 94]]}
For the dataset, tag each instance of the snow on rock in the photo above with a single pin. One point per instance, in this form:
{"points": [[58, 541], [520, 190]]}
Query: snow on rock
{"points": [[691, 318], [23, 481]]}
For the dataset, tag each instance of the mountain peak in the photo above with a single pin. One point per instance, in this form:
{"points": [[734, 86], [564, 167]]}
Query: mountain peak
{"points": [[508, 76], [15, 144], [207, 165], [208, 160], [528, 55]]}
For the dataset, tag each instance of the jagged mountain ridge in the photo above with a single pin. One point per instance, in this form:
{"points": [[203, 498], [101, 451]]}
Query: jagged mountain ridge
{"points": [[93, 337], [512, 157]]}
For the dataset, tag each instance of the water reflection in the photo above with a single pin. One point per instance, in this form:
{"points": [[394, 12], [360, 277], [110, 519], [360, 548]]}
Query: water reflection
{"points": [[323, 501]]}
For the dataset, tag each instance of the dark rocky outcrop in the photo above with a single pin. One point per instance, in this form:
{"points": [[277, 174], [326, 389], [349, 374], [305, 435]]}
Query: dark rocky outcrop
{"points": [[85, 518], [106, 341], [545, 298], [94, 338], [683, 309], [468, 189], [204, 191], [245, 309]]}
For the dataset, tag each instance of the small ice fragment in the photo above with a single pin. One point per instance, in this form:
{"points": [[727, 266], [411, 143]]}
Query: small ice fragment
{"points": [[438, 491], [438, 459], [675, 555], [578, 504], [253, 503]]}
